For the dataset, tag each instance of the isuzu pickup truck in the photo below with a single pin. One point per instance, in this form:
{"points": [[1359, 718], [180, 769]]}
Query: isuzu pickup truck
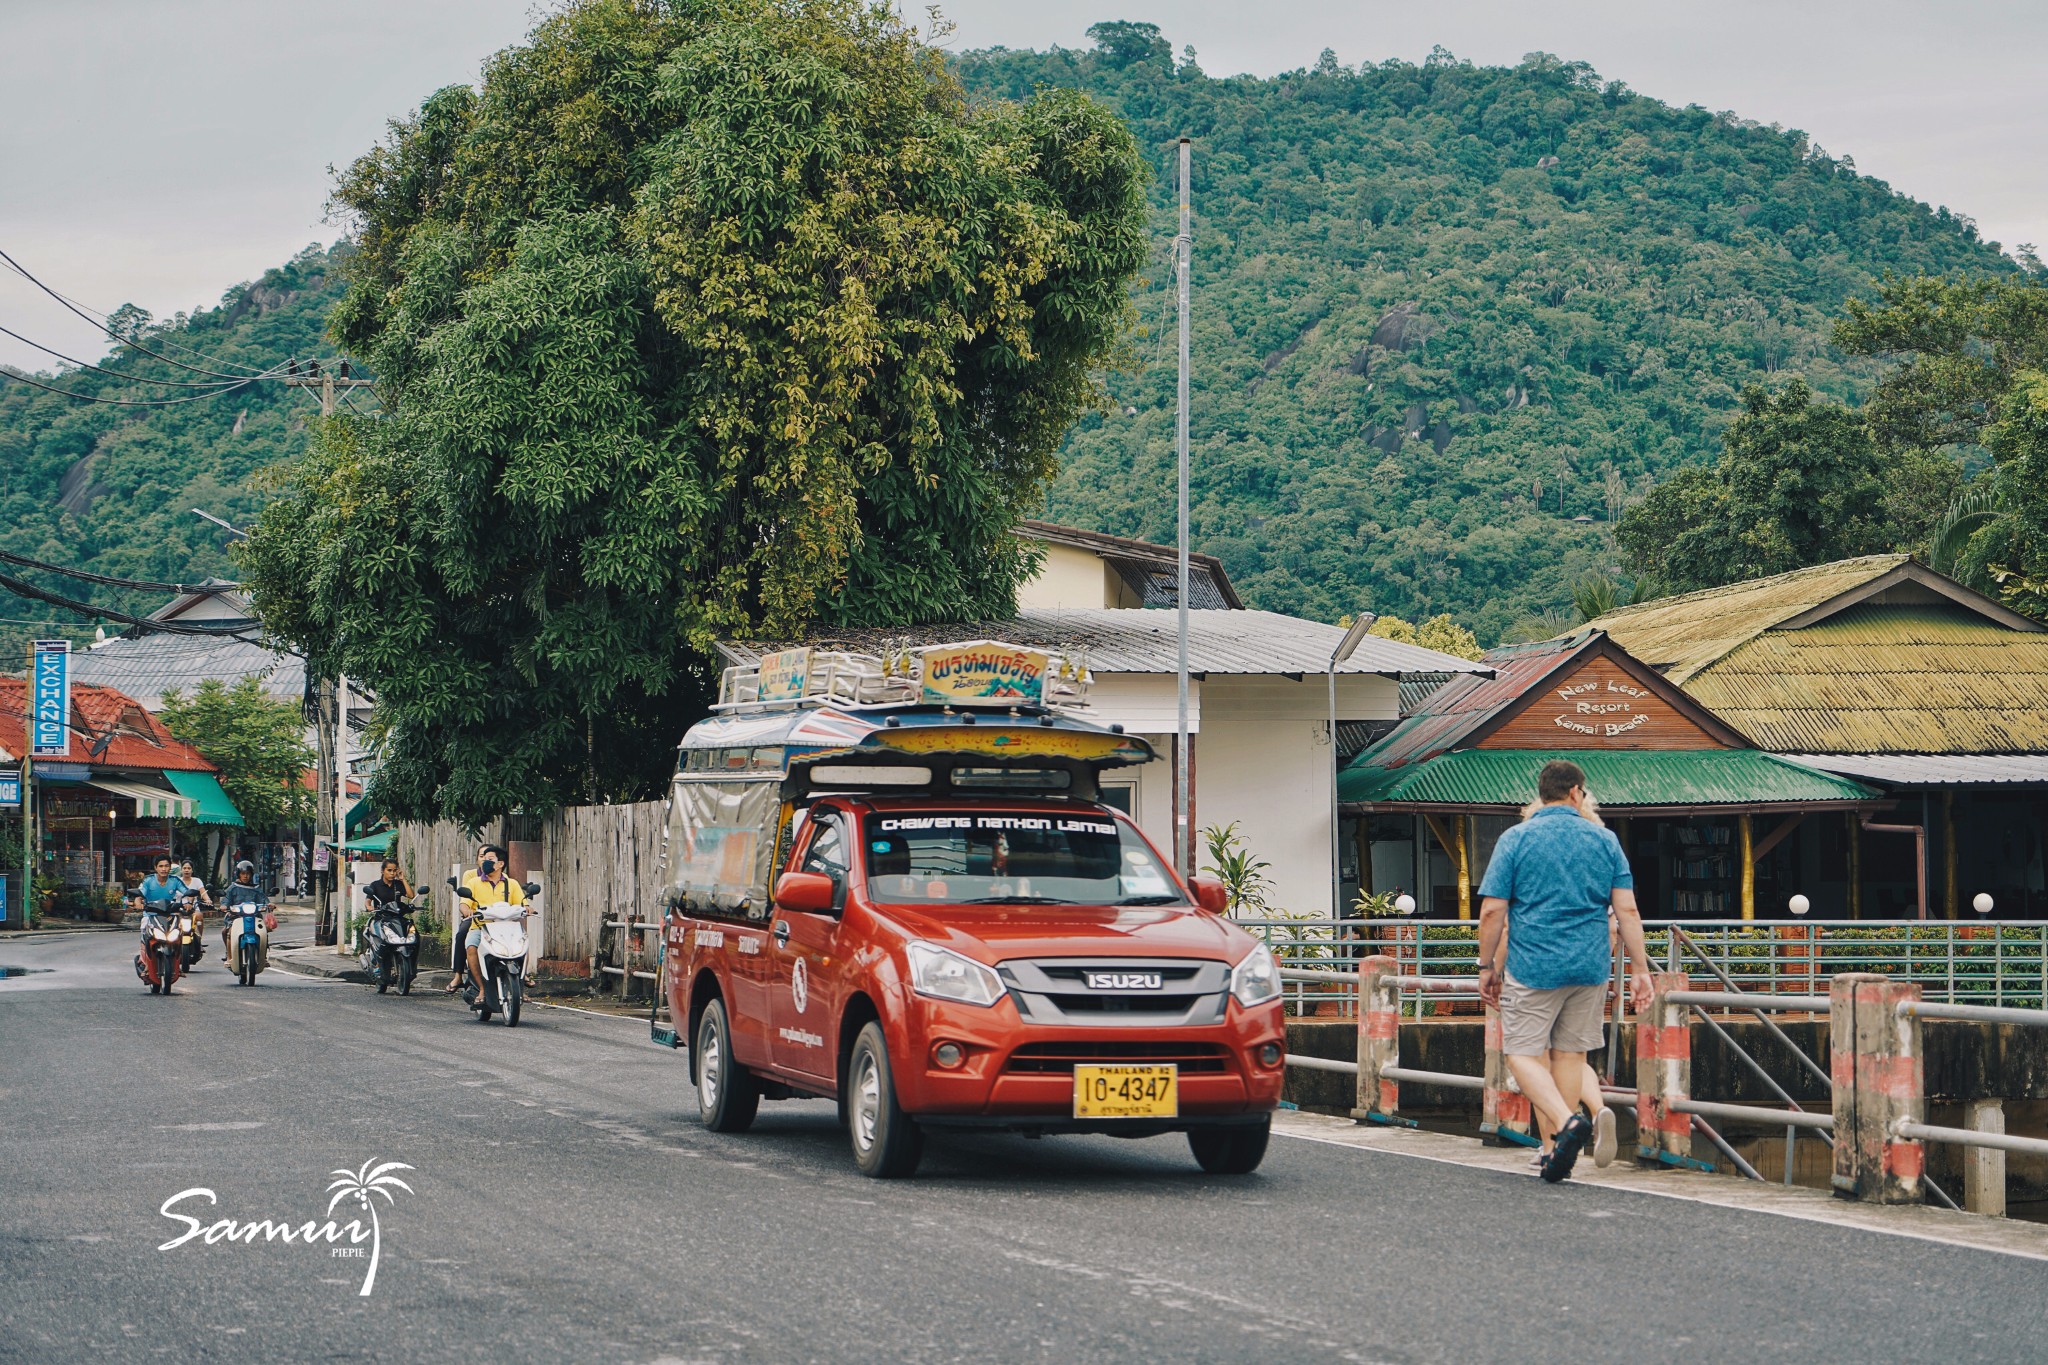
{"points": [[887, 892]]}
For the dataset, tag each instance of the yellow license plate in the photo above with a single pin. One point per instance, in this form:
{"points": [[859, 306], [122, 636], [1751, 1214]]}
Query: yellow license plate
{"points": [[1126, 1092]]}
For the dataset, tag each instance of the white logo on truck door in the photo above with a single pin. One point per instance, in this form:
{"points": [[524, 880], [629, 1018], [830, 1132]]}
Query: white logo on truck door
{"points": [[800, 986]]}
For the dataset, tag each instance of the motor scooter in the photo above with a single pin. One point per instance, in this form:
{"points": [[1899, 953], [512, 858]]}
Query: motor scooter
{"points": [[249, 924], [391, 945], [161, 960], [194, 923], [501, 955]]}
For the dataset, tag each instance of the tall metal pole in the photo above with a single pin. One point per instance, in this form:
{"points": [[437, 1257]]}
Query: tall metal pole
{"points": [[1183, 251], [28, 783]]}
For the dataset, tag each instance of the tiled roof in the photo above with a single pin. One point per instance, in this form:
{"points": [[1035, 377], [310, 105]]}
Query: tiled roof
{"points": [[140, 740], [148, 666], [1133, 640], [1680, 636], [1886, 679]]}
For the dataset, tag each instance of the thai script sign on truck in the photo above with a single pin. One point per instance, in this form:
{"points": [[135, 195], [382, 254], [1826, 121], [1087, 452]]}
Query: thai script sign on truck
{"points": [[984, 671]]}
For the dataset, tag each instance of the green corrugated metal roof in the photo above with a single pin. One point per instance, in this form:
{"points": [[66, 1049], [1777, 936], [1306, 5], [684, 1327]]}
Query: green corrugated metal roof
{"points": [[205, 789], [1634, 777]]}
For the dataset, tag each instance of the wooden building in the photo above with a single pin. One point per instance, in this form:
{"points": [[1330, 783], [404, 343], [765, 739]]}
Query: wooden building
{"points": [[1713, 827], [1883, 671]]}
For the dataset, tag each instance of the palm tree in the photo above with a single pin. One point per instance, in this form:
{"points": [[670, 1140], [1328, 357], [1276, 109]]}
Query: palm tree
{"points": [[360, 1185], [1976, 508]]}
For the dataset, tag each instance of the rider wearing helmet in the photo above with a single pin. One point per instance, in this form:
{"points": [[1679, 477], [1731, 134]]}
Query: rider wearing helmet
{"points": [[241, 891]]}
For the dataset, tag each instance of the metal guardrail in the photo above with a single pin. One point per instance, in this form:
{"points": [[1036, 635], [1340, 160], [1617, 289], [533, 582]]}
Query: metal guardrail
{"points": [[1997, 963]]}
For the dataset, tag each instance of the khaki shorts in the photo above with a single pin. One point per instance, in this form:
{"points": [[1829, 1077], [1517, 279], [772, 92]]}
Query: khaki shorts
{"points": [[1566, 1019]]}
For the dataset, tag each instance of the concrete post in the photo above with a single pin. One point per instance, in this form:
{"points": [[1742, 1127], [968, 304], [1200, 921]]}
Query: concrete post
{"points": [[1663, 1073], [1379, 1037], [1984, 1167], [1874, 1061], [1504, 1113]]}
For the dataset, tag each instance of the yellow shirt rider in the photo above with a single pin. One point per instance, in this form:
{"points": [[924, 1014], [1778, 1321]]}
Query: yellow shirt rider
{"points": [[489, 884]]}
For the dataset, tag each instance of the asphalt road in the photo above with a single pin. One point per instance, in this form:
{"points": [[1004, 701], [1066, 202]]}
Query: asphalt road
{"points": [[566, 1206]]}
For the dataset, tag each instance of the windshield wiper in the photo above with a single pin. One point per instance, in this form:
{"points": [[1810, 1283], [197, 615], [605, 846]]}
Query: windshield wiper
{"points": [[1018, 900], [1166, 899]]}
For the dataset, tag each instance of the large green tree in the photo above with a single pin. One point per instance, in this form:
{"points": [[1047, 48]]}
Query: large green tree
{"points": [[694, 319], [257, 742], [1798, 483]]}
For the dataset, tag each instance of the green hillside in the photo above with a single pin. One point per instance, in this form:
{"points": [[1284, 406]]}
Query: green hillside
{"points": [[109, 488], [1444, 311]]}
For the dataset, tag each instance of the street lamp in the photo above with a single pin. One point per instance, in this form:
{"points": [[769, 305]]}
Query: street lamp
{"points": [[1346, 647]]}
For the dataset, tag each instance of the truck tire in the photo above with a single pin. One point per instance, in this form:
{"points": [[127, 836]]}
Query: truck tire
{"points": [[887, 1143], [727, 1096], [1230, 1149]]}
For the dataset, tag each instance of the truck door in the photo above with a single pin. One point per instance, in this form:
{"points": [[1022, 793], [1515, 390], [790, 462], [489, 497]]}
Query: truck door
{"points": [[805, 995]]}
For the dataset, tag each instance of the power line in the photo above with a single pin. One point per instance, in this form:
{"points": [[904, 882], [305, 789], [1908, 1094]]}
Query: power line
{"points": [[130, 342], [131, 402], [101, 319], [137, 584], [101, 369], [23, 588]]}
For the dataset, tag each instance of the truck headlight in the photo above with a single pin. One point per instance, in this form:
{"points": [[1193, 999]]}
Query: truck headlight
{"points": [[1256, 980], [944, 974]]}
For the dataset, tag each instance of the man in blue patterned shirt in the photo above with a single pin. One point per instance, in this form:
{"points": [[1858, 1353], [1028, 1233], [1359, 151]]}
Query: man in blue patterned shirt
{"points": [[1551, 884]]}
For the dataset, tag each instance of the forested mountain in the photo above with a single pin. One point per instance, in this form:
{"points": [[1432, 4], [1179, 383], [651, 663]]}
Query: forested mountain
{"points": [[1446, 313], [1448, 320], [110, 487]]}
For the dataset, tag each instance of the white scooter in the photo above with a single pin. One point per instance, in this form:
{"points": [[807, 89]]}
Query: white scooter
{"points": [[249, 926], [501, 955]]}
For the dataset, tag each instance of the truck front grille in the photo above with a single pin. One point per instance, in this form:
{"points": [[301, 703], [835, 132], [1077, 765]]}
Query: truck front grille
{"points": [[1118, 992], [1061, 1058]]}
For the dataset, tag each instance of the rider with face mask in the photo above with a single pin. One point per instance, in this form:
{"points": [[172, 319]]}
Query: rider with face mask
{"points": [[490, 884]]}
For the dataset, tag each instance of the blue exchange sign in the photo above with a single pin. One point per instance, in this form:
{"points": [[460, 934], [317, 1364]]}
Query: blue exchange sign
{"points": [[10, 787], [50, 735]]}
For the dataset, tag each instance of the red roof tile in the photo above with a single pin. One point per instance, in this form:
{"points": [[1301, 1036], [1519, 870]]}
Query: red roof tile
{"points": [[140, 739]]}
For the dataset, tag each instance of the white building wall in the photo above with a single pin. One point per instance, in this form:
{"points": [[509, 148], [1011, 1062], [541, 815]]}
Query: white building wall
{"points": [[1263, 760]]}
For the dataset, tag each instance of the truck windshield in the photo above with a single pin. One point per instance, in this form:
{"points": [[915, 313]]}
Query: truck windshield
{"points": [[978, 857]]}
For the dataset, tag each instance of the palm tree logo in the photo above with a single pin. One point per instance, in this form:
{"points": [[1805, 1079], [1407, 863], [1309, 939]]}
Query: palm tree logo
{"points": [[361, 1186]]}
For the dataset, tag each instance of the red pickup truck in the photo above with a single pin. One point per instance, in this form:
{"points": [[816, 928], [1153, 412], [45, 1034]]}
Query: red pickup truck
{"points": [[922, 912]]}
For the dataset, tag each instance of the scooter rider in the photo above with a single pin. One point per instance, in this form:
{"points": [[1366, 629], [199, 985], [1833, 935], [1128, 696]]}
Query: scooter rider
{"points": [[197, 949], [160, 891], [241, 891], [490, 884]]}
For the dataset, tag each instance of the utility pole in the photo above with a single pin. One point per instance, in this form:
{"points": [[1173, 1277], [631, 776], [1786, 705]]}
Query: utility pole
{"points": [[1183, 252], [326, 920], [313, 375]]}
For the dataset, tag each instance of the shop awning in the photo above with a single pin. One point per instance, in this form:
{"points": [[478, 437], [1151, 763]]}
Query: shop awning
{"points": [[379, 842], [360, 814], [205, 791], [1617, 778], [151, 803]]}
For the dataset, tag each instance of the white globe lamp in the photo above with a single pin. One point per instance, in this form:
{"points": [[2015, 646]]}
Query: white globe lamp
{"points": [[1405, 904], [1981, 903], [1799, 905]]}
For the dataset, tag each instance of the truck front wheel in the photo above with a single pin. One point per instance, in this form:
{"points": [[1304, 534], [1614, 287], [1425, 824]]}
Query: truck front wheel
{"points": [[727, 1096], [1233, 1149], [887, 1142]]}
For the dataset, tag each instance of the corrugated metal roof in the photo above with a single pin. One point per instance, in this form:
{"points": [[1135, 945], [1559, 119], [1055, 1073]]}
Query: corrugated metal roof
{"points": [[1618, 778], [1681, 635], [1886, 679], [1138, 640], [1933, 770], [148, 666]]}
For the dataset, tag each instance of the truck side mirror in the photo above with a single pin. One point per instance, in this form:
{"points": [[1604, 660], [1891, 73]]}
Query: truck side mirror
{"points": [[1211, 894], [810, 893]]}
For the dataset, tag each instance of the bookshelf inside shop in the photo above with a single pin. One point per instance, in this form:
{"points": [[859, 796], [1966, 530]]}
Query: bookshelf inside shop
{"points": [[1699, 858]]}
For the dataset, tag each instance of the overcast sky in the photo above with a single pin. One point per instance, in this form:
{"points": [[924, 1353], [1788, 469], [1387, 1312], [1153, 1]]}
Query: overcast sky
{"points": [[160, 151]]}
